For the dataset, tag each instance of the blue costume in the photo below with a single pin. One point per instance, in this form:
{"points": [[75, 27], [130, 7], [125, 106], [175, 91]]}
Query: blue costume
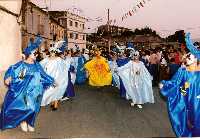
{"points": [[183, 98], [122, 62], [70, 92], [25, 91], [80, 71]]}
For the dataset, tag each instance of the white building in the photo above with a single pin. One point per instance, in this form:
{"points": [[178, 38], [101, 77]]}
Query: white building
{"points": [[74, 27]]}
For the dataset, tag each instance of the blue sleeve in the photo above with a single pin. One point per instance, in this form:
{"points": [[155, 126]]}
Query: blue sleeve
{"points": [[171, 87], [11, 71]]}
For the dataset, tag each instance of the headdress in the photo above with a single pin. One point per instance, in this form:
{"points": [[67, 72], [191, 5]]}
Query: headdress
{"points": [[33, 46], [193, 49]]}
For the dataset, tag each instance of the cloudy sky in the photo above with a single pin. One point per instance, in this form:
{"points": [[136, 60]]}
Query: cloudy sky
{"points": [[164, 16]]}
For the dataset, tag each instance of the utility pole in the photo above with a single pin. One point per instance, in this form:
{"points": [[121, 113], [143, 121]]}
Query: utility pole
{"points": [[109, 32]]}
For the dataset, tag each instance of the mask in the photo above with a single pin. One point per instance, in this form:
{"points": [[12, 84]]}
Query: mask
{"points": [[190, 59]]}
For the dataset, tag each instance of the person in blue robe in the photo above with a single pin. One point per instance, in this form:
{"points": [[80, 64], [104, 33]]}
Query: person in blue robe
{"points": [[121, 61], [183, 95], [80, 71], [69, 92], [26, 81]]}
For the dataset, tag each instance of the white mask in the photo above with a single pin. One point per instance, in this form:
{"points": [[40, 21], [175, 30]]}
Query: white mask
{"points": [[190, 59]]}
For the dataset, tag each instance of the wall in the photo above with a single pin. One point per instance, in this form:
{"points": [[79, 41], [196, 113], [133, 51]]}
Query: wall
{"points": [[10, 35]]}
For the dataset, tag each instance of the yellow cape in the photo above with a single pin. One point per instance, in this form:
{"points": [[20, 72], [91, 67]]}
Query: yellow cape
{"points": [[99, 72]]}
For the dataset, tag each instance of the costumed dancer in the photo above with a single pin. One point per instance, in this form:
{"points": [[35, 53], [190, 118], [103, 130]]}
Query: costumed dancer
{"points": [[55, 66], [69, 93], [113, 67], [80, 61], [26, 82], [121, 61], [98, 71], [183, 95], [137, 81]]}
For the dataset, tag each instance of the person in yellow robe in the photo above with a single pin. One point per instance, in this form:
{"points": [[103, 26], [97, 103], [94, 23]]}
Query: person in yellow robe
{"points": [[98, 71]]}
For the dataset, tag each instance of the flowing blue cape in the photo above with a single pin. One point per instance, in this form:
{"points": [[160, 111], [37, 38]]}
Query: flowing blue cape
{"points": [[24, 95], [183, 102]]}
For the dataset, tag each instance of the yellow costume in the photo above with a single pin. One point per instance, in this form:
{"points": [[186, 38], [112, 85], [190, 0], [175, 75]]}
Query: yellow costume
{"points": [[99, 72]]}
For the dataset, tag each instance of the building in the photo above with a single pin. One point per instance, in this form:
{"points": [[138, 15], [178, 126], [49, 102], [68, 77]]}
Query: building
{"points": [[38, 21], [74, 27], [10, 35], [114, 30], [147, 40]]}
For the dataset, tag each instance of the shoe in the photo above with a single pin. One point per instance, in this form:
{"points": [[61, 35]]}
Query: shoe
{"points": [[132, 104], [54, 109], [24, 126], [139, 106], [65, 98], [30, 128]]}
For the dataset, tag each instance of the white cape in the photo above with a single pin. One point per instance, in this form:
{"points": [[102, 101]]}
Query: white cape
{"points": [[137, 82], [57, 69]]}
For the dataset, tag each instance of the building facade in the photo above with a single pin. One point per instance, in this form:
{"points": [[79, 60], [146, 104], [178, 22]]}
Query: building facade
{"points": [[38, 21], [74, 27]]}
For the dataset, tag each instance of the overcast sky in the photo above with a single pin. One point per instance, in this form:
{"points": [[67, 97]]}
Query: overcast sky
{"points": [[164, 16]]}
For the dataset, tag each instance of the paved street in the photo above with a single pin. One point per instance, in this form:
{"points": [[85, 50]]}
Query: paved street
{"points": [[99, 113]]}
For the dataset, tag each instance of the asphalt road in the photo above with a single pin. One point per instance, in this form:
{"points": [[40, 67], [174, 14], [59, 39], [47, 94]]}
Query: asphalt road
{"points": [[99, 112]]}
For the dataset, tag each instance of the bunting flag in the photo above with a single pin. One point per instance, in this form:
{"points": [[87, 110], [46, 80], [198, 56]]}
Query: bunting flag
{"points": [[138, 5], [141, 4], [131, 12], [135, 9]]}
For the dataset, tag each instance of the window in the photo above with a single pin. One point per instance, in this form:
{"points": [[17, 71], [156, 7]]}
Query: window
{"points": [[70, 23], [71, 35], [76, 36], [83, 26], [76, 24], [83, 37]]}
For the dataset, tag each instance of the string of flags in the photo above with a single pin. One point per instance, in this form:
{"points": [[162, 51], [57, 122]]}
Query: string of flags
{"points": [[135, 8], [131, 12]]}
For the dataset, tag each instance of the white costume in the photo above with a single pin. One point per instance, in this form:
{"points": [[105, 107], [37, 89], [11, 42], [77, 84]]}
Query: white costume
{"points": [[74, 63], [57, 69], [137, 82], [113, 67]]}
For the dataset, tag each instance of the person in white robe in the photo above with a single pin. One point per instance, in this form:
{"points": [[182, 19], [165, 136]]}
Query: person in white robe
{"points": [[137, 81], [113, 67], [55, 66]]}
